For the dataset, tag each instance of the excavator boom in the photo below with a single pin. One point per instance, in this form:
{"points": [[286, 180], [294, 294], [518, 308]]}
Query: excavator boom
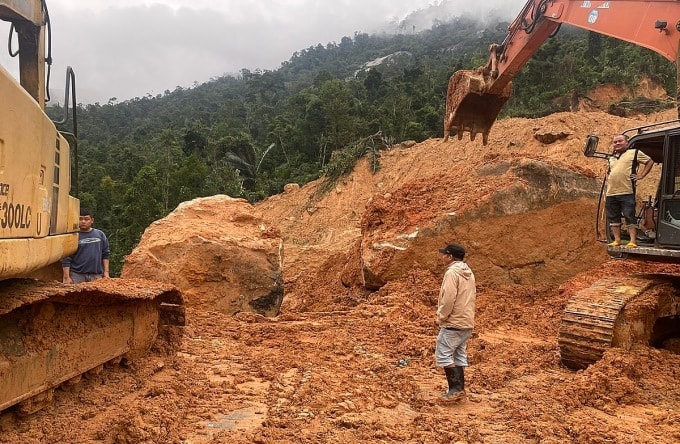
{"points": [[475, 97]]}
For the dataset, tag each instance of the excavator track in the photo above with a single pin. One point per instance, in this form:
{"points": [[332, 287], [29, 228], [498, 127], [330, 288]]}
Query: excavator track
{"points": [[52, 333], [596, 318]]}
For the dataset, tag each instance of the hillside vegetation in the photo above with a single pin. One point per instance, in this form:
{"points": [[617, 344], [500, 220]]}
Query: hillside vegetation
{"points": [[249, 135]]}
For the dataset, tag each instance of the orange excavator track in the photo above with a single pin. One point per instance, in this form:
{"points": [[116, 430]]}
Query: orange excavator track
{"points": [[605, 315], [51, 333]]}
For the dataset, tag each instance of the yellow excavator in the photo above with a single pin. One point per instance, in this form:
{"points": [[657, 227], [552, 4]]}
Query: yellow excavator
{"points": [[53, 333], [613, 311]]}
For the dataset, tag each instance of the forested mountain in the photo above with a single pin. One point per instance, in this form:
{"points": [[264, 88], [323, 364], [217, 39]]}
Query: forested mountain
{"points": [[249, 135]]}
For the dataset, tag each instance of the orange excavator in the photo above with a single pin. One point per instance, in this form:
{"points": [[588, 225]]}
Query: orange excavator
{"points": [[613, 311], [53, 333], [475, 97]]}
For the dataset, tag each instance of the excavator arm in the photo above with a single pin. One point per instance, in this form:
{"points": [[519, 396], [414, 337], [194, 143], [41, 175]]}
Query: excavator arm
{"points": [[475, 97]]}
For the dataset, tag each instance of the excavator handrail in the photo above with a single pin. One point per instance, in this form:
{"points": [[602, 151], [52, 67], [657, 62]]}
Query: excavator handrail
{"points": [[71, 81], [70, 78], [656, 125]]}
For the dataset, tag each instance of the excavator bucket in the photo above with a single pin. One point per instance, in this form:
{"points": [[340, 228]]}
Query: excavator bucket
{"points": [[469, 105]]}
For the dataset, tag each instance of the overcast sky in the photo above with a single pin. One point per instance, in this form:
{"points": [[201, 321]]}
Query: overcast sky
{"points": [[130, 48]]}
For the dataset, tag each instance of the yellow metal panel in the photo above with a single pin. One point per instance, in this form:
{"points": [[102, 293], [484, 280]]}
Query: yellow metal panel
{"points": [[28, 10], [19, 257], [34, 185]]}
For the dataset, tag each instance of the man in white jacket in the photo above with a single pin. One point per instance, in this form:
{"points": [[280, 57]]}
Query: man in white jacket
{"points": [[455, 317]]}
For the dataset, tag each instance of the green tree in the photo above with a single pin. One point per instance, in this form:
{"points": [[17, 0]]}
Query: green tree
{"points": [[188, 182], [143, 204]]}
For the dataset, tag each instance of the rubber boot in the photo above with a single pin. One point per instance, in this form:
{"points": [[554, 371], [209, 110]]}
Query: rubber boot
{"points": [[453, 378], [461, 377]]}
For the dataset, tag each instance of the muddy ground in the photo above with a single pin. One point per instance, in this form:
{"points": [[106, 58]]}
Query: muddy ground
{"points": [[344, 364]]}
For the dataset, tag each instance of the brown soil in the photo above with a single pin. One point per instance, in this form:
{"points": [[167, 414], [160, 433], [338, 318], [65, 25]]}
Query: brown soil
{"points": [[343, 364]]}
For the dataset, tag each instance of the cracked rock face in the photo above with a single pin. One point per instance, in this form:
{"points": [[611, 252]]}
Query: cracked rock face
{"points": [[218, 251], [532, 222]]}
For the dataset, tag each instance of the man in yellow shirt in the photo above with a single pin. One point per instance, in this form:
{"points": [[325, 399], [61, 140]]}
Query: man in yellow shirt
{"points": [[621, 180]]}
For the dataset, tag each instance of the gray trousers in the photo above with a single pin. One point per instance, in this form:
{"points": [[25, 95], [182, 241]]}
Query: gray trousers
{"points": [[79, 278], [451, 347]]}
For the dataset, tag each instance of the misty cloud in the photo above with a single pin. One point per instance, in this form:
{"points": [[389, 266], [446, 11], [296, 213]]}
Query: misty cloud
{"points": [[132, 48]]}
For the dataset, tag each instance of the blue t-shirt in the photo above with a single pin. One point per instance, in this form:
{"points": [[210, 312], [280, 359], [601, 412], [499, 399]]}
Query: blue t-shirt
{"points": [[93, 247]]}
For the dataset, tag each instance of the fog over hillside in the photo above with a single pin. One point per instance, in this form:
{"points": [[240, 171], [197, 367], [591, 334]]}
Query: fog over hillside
{"points": [[131, 48]]}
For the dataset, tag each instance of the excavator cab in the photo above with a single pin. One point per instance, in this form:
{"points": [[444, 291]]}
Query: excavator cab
{"points": [[659, 218], [668, 224]]}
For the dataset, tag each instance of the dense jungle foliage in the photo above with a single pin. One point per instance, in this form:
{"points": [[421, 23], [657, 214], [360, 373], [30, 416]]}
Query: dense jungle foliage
{"points": [[250, 134]]}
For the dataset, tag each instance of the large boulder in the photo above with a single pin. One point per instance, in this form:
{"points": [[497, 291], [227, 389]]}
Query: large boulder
{"points": [[524, 222], [219, 251]]}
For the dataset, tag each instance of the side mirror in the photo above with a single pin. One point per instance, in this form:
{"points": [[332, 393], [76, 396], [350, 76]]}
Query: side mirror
{"points": [[590, 150], [591, 146]]}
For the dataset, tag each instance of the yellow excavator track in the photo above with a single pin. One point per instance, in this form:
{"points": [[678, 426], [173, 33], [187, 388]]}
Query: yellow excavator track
{"points": [[51, 333], [617, 312]]}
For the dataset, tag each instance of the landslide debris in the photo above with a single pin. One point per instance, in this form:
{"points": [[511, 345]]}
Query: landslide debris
{"points": [[218, 251], [347, 363]]}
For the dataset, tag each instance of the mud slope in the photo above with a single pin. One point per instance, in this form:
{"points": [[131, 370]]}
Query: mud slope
{"points": [[344, 364]]}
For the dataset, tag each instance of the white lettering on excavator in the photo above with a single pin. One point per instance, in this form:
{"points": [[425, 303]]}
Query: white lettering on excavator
{"points": [[592, 18], [604, 5], [586, 5], [15, 215], [4, 189]]}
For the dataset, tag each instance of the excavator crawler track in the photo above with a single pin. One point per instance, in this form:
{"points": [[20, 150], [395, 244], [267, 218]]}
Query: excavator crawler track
{"points": [[52, 333], [596, 318]]}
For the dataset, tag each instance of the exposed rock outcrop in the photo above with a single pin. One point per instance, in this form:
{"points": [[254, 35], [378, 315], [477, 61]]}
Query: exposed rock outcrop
{"points": [[529, 228]]}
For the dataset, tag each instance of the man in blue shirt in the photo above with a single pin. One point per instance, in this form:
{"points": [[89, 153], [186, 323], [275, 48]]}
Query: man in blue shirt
{"points": [[91, 260]]}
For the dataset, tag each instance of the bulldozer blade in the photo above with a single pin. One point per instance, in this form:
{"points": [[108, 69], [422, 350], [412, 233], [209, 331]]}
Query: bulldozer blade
{"points": [[470, 107]]}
